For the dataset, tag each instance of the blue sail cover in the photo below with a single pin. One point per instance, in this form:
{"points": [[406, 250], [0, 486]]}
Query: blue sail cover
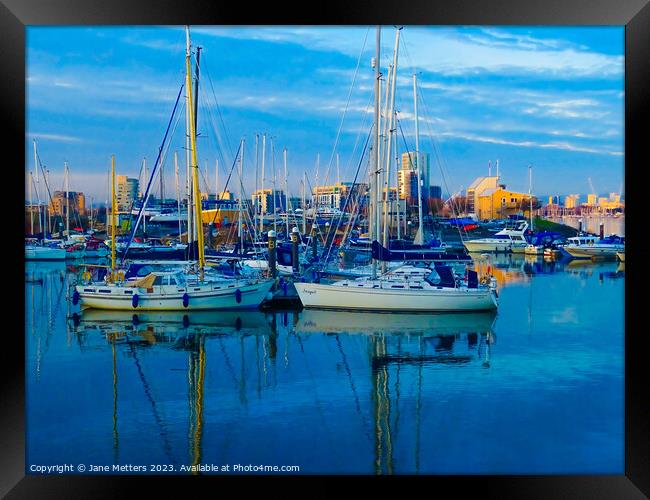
{"points": [[379, 252], [447, 278]]}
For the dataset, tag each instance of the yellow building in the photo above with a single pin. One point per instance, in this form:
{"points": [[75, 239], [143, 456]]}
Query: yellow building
{"points": [[571, 201], [499, 203], [477, 189], [591, 200]]}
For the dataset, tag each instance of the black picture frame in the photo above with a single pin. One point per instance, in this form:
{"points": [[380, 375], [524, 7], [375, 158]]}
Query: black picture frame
{"points": [[633, 14]]}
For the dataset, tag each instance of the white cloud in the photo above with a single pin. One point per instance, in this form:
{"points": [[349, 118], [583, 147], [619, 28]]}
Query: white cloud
{"points": [[54, 137]]}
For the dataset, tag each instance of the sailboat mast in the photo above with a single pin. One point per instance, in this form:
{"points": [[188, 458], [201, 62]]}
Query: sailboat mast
{"points": [[286, 192], [419, 235], [144, 201], [255, 200], [113, 222], [530, 193], [273, 190], [188, 182], [38, 195], [263, 195], [374, 160], [178, 193], [195, 166], [304, 203], [241, 193], [31, 204], [389, 141], [67, 199], [399, 232]]}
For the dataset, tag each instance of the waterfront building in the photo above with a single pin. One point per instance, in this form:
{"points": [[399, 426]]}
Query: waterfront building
{"points": [[591, 200], [265, 200], [572, 201], [499, 203], [478, 188], [76, 202], [335, 196], [224, 211], [409, 162], [126, 192]]}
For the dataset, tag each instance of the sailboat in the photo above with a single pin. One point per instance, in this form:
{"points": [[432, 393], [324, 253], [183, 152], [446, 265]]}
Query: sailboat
{"points": [[406, 288], [176, 289]]}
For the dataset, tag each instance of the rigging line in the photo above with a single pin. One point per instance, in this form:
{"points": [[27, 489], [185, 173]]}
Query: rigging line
{"points": [[231, 369], [207, 71], [147, 391], [146, 194], [216, 137], [348, 372], [347, 104], [357, 140], [439, 160], [225, 186], [47, 185], [347, 200]]}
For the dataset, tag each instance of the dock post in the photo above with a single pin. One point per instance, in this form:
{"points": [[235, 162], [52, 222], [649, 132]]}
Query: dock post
{"points": [[314, 243], [579, 226], [602, 230], [294, 250], [272, 253]]}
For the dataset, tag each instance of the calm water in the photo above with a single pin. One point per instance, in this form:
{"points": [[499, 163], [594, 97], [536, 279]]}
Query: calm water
{"points": [[536, 388], [591, 223]]}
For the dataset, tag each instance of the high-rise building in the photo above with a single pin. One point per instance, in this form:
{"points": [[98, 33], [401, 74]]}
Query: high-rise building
{"points": [[126, 191], [409, 162], [592, 200], [76, 202], [265, 200]]}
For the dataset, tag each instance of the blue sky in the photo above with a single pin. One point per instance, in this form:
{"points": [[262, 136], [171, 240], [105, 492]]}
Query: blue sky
{"points": [[550, 97]]}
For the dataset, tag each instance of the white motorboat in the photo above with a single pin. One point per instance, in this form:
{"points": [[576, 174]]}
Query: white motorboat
{"points": [[506, 240], [412, 289], [171, 291], [587, 247]]}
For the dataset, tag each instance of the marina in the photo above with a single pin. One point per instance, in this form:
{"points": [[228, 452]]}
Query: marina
{"points": [[230, 305], [206, 387]]}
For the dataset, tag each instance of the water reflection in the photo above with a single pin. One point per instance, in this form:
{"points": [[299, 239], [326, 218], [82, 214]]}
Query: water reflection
{"points": [[398, 347], [303, 387]]}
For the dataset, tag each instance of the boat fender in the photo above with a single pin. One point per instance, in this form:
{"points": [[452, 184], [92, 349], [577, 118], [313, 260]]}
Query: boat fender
{"points": [[134, 300], [238, 295], [135, 320], [186, 320], [186, 300], [75, 297]]}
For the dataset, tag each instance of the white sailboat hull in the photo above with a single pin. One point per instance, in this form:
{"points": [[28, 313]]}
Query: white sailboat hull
{"points": [[202, 297], [363, 299]]}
